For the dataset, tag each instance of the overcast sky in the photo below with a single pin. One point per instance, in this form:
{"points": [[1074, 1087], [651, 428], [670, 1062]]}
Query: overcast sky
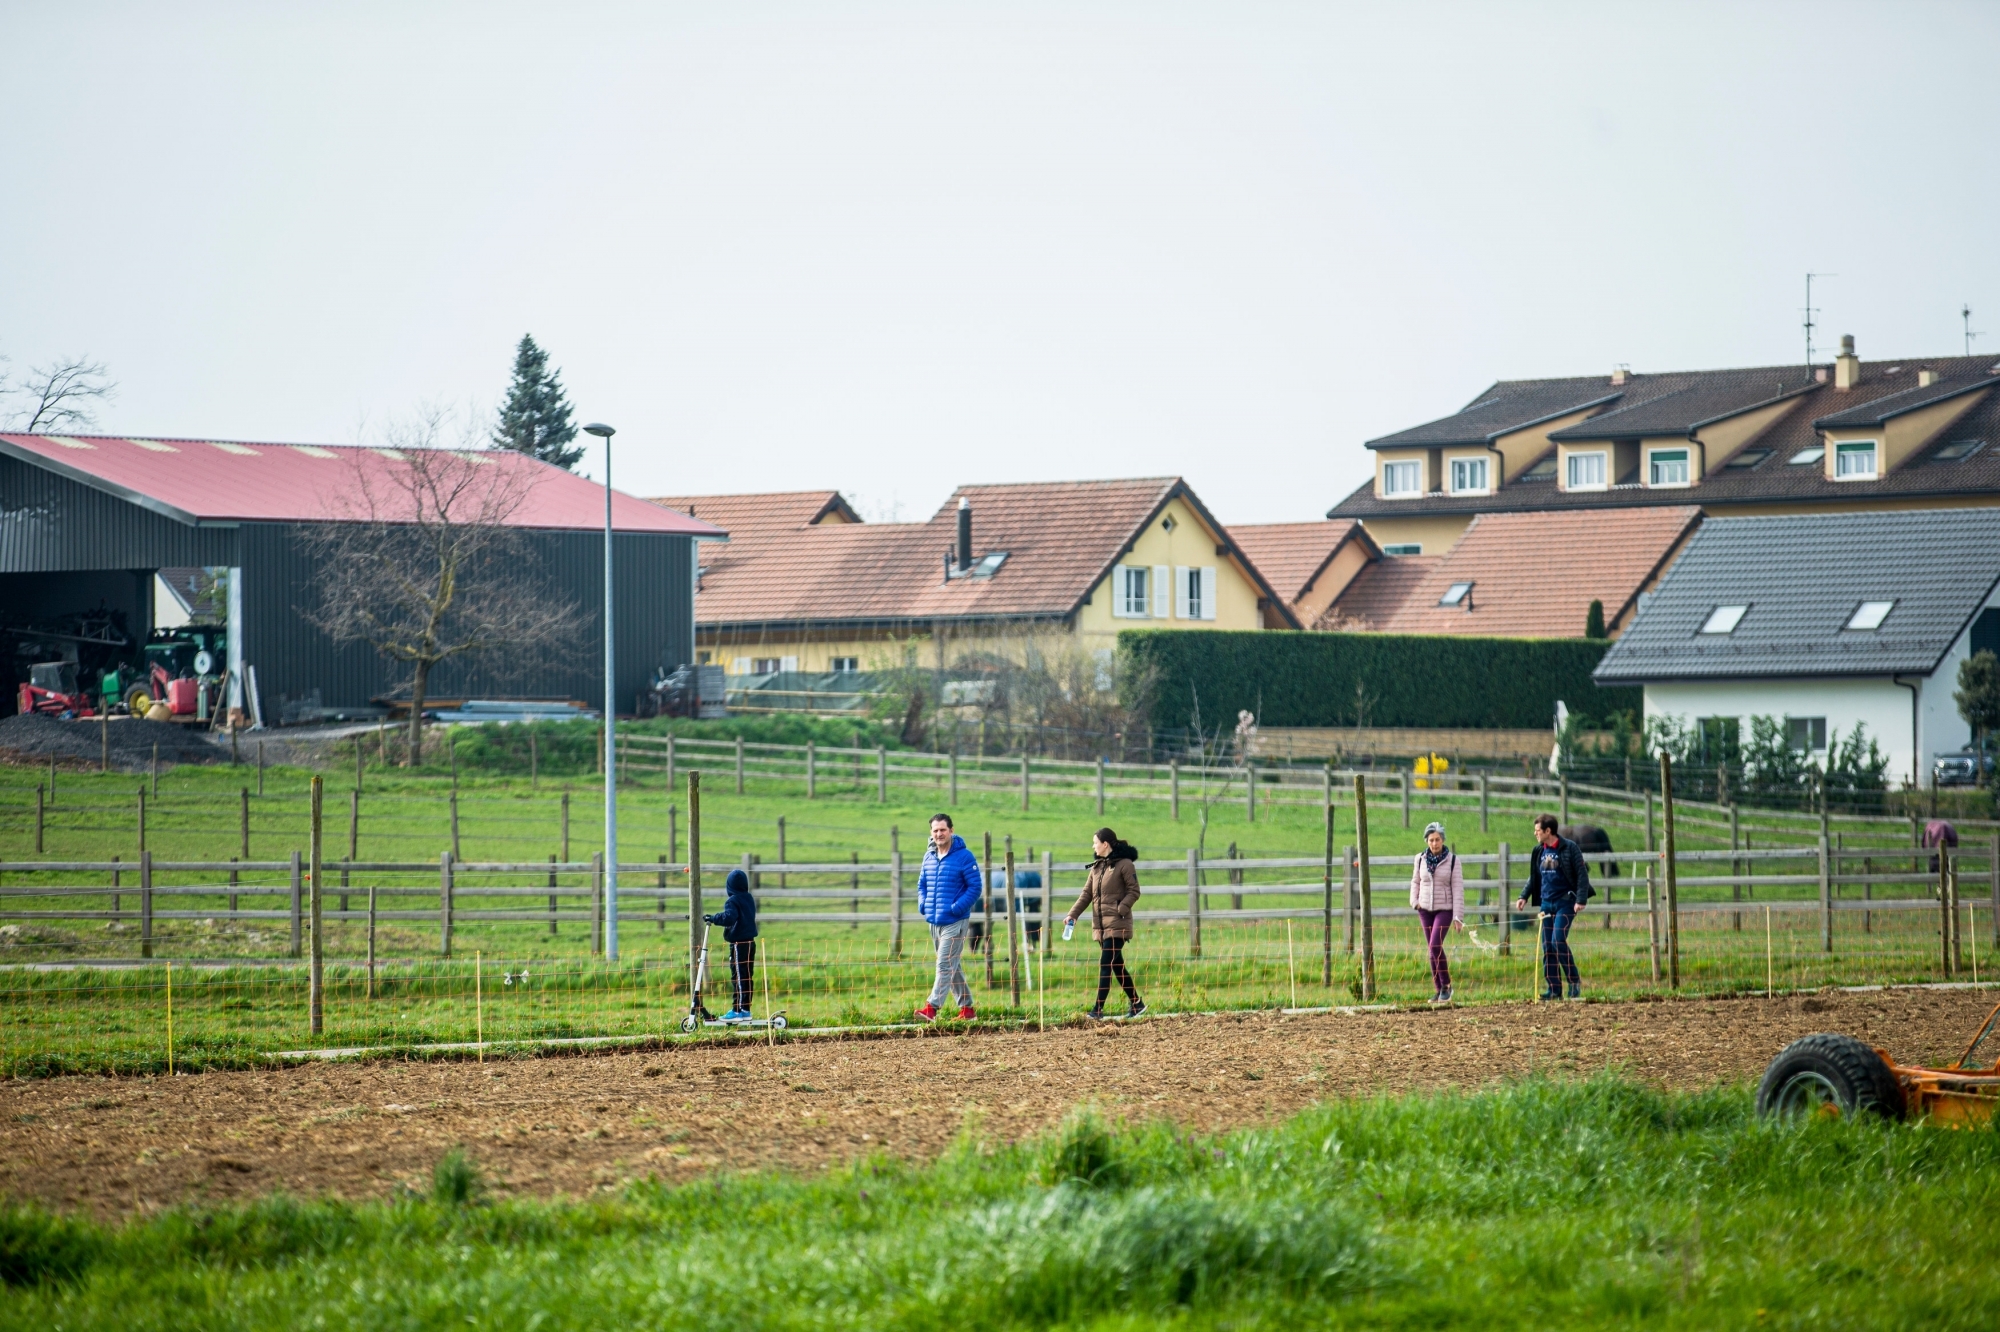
{"points": [[894, 248]]}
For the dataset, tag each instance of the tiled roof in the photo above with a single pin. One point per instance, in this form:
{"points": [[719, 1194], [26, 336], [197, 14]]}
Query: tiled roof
{"points": [[778, 510], [1532, 575], [1507, 405], [1712, 397], [200, 480], [1061, 538], [1378, 592], [1774, 478], [1910, 399], [1802, 576], [1291, 555]]}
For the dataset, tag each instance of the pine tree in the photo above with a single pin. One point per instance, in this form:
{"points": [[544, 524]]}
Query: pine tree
{"points": [[535, 419], [1593, 621]]}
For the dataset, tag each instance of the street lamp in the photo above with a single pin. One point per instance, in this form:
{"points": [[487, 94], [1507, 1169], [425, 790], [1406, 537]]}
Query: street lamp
{"points": [[605, 432]]}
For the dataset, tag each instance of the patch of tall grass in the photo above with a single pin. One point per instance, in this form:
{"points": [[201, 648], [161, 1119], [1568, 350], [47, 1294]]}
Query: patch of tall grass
{"points": [[1539, 1204]]}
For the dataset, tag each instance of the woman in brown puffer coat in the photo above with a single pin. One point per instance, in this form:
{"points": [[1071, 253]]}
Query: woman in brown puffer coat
{"points": [[1109, 894]]}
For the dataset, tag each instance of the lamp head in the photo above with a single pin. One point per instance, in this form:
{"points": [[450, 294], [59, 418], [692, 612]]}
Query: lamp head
{"points": [[599, 429]]}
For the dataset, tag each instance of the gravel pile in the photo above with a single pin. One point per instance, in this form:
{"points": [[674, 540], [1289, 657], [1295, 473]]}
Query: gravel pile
{"points": [[34, 737]]}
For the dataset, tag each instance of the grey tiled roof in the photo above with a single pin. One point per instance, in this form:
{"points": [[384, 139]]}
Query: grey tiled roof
{"points": [[1802, 576], [1713, 396], [1508, 405], [1909, 400]]}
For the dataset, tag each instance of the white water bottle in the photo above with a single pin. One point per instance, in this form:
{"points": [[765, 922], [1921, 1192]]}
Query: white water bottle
{"points": [[1069, 928]]}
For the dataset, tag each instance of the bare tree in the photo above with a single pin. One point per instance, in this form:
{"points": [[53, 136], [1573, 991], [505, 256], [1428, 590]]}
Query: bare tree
{"points": [[61, 395], [423, 565]]}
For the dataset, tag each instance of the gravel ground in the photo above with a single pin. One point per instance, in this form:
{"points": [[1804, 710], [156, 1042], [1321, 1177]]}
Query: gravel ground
{"points": [[36, 738], [569, 1126]]}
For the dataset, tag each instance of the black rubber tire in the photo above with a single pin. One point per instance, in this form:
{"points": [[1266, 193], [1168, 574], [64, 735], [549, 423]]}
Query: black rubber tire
{"points": [[1829, 1073], [688, 1023]]}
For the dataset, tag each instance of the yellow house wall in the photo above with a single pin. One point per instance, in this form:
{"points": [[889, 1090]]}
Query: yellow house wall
{"points": [[1903, 436], [1191, 543], [1696, 462], [1421, 457], [1350, 560], [1724, 438], [1494, 462], [1436, 533]]}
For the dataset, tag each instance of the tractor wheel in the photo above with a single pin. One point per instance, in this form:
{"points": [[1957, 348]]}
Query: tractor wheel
{"points": [[1829, 1074], [137, 700]]}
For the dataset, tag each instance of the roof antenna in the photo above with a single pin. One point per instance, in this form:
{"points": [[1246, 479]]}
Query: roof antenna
{"points": [[1812, 310], [1970, 334]]}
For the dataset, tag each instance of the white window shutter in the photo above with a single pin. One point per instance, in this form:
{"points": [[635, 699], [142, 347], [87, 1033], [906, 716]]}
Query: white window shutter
{"points": [[1119, 575], [788, 663], [739, 665], [1163, 592], [1183, 607], [1209, 586]]}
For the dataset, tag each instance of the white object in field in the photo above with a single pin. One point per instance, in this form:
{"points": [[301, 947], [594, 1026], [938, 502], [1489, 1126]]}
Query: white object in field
{"points": [[1069, 928]]}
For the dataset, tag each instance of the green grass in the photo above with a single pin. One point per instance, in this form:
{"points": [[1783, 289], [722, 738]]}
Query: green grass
{"points": [[1537, 1205]]}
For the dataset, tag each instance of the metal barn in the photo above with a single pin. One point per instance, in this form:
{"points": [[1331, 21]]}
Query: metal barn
{"points": [[88, 522]]}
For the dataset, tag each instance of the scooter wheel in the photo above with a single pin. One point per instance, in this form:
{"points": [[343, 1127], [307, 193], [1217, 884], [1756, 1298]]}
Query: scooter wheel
{"points": [[689, 1023], [778, 1023]]}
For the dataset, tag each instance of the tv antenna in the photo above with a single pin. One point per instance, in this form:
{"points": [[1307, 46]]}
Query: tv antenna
{"points": [[1970, 333], [1812, 310]]}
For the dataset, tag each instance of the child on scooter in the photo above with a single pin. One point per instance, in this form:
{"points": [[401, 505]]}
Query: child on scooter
{"points": [[738, 919]]}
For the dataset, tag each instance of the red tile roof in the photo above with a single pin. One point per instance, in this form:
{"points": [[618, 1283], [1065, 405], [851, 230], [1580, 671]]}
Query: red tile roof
{"points": [[1061, 538], [1291, 555], [198, 480], [739, 515], [1533, 575]]}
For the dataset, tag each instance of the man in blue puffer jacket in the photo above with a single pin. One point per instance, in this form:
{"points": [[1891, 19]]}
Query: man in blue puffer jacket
{"points": [[948, 889]]}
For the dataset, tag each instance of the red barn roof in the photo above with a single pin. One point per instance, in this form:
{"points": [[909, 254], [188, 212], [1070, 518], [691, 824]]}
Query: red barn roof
{"points": [[200, 480]]}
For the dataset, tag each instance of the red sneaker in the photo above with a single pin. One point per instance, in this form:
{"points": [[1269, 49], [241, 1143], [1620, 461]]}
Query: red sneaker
{"points": [[965, 1014], [928, 1013]]}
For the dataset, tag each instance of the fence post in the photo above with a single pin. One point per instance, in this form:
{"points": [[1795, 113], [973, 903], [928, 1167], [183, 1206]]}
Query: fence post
{"points": [[1483, 820], [1194, 904], [854, 887], [986, 901], [1174, 789], [1048, 912], [316, 971], [662, 885], [142, 820], [812, 771], [895, 903], [371, 936], [1825, 897], [1403, 781], [444, 904], [1736, 866], [1673, 884], [146, 903], [597, 904], [1100, 784], [881, 775], [1562, 798], [1503, 916], [1326, 886], [1367, 904], [552, 895], [1945, 912], [1250, 791], [565, 827], [40, 797], [1653, 914], [784, 880], [670, 760], [1347, 898], [694, 869], [739, 765], [454, 825], [1024, 782], [1013, 936]]}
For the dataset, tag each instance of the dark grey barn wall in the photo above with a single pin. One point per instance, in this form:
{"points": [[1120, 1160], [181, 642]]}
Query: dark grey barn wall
{"points": [[50, 523], [654, 624]]}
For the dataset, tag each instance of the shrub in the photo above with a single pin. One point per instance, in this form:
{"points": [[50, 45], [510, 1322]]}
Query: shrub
{"points": [[1343, 679]]}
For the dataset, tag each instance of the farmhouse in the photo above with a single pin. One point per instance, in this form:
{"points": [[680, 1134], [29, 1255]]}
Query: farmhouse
{"points": [[1825, 621], [87, 523], [1005, 570], [1839, 437]]}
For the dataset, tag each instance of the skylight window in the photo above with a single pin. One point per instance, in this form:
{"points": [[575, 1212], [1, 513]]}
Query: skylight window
{"points": [[1541, 471], [1748, 458], [1959, 449], [1723, 619], [1812, 453], [990, 565], [1456, 594], [1870, 614]]}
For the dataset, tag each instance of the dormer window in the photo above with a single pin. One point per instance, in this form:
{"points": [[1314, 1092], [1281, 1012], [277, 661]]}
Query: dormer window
{"points": [[1854, 460], [1669, 467], [1402, 478], [1468, 476], [1723, 619], [1586, 471]]}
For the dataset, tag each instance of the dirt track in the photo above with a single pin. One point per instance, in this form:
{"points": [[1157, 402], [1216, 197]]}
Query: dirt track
{"points": [[571, 1125]]}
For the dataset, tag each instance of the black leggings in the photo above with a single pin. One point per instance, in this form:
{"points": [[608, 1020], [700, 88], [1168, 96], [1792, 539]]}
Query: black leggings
{"points": [[743, 970], [1111, 962]]}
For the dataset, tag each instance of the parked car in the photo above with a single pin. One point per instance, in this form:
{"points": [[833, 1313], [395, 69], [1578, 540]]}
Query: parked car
{"points": [[1968, 767]]}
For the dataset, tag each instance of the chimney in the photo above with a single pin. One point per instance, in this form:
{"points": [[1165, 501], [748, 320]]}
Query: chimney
{"points": [[1620, 375], [1846, 366], [964, 533], [1926, 378], [1819, 374]]}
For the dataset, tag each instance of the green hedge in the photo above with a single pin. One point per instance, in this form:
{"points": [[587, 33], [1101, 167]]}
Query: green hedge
{"points": [[1310, 679]]}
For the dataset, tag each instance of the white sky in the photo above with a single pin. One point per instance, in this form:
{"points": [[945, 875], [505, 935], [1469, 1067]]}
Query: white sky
{"points": [[892, 248]]}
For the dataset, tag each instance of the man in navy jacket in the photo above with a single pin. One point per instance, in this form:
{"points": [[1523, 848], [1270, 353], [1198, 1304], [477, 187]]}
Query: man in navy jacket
{"points": [[1559, 880], [948, 888]]}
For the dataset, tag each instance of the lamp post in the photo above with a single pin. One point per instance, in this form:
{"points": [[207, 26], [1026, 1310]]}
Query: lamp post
{"points": [[605, 432]]}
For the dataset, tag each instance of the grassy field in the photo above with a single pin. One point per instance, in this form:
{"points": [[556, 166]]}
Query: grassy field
{"points": [[515, 980], [1537, 1205]]}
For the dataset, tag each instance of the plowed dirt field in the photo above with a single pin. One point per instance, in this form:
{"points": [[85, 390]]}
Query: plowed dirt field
{"points": [[551, 1126]]}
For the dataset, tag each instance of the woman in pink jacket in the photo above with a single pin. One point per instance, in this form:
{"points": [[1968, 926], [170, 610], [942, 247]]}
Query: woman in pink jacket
{"points": [[1437, 891]]}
